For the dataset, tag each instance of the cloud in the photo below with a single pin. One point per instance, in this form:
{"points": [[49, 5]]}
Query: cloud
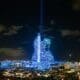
{"points": [[76, 5], [14, 52], [16, 27], [13, 30], [70, 33], [2, 28]]}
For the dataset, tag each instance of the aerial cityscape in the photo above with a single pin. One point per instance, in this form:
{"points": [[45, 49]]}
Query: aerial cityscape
{"points": [[40, 40]]}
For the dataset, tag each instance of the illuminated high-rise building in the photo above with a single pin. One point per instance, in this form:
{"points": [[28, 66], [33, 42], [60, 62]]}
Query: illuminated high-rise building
{"points": [[42, 57]]}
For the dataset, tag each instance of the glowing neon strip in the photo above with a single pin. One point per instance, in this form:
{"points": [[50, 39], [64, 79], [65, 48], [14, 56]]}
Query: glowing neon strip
{"points": [[38, 49]]}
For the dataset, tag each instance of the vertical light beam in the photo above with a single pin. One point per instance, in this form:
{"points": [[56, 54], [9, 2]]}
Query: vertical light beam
{"points": [[38, 47], [41, 12]]}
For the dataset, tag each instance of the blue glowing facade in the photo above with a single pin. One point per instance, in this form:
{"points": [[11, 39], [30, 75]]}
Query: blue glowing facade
{"points": [[42, 55]]}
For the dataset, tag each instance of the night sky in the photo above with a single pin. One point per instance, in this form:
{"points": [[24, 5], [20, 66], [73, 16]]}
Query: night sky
{"points": [[19, 23]]}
